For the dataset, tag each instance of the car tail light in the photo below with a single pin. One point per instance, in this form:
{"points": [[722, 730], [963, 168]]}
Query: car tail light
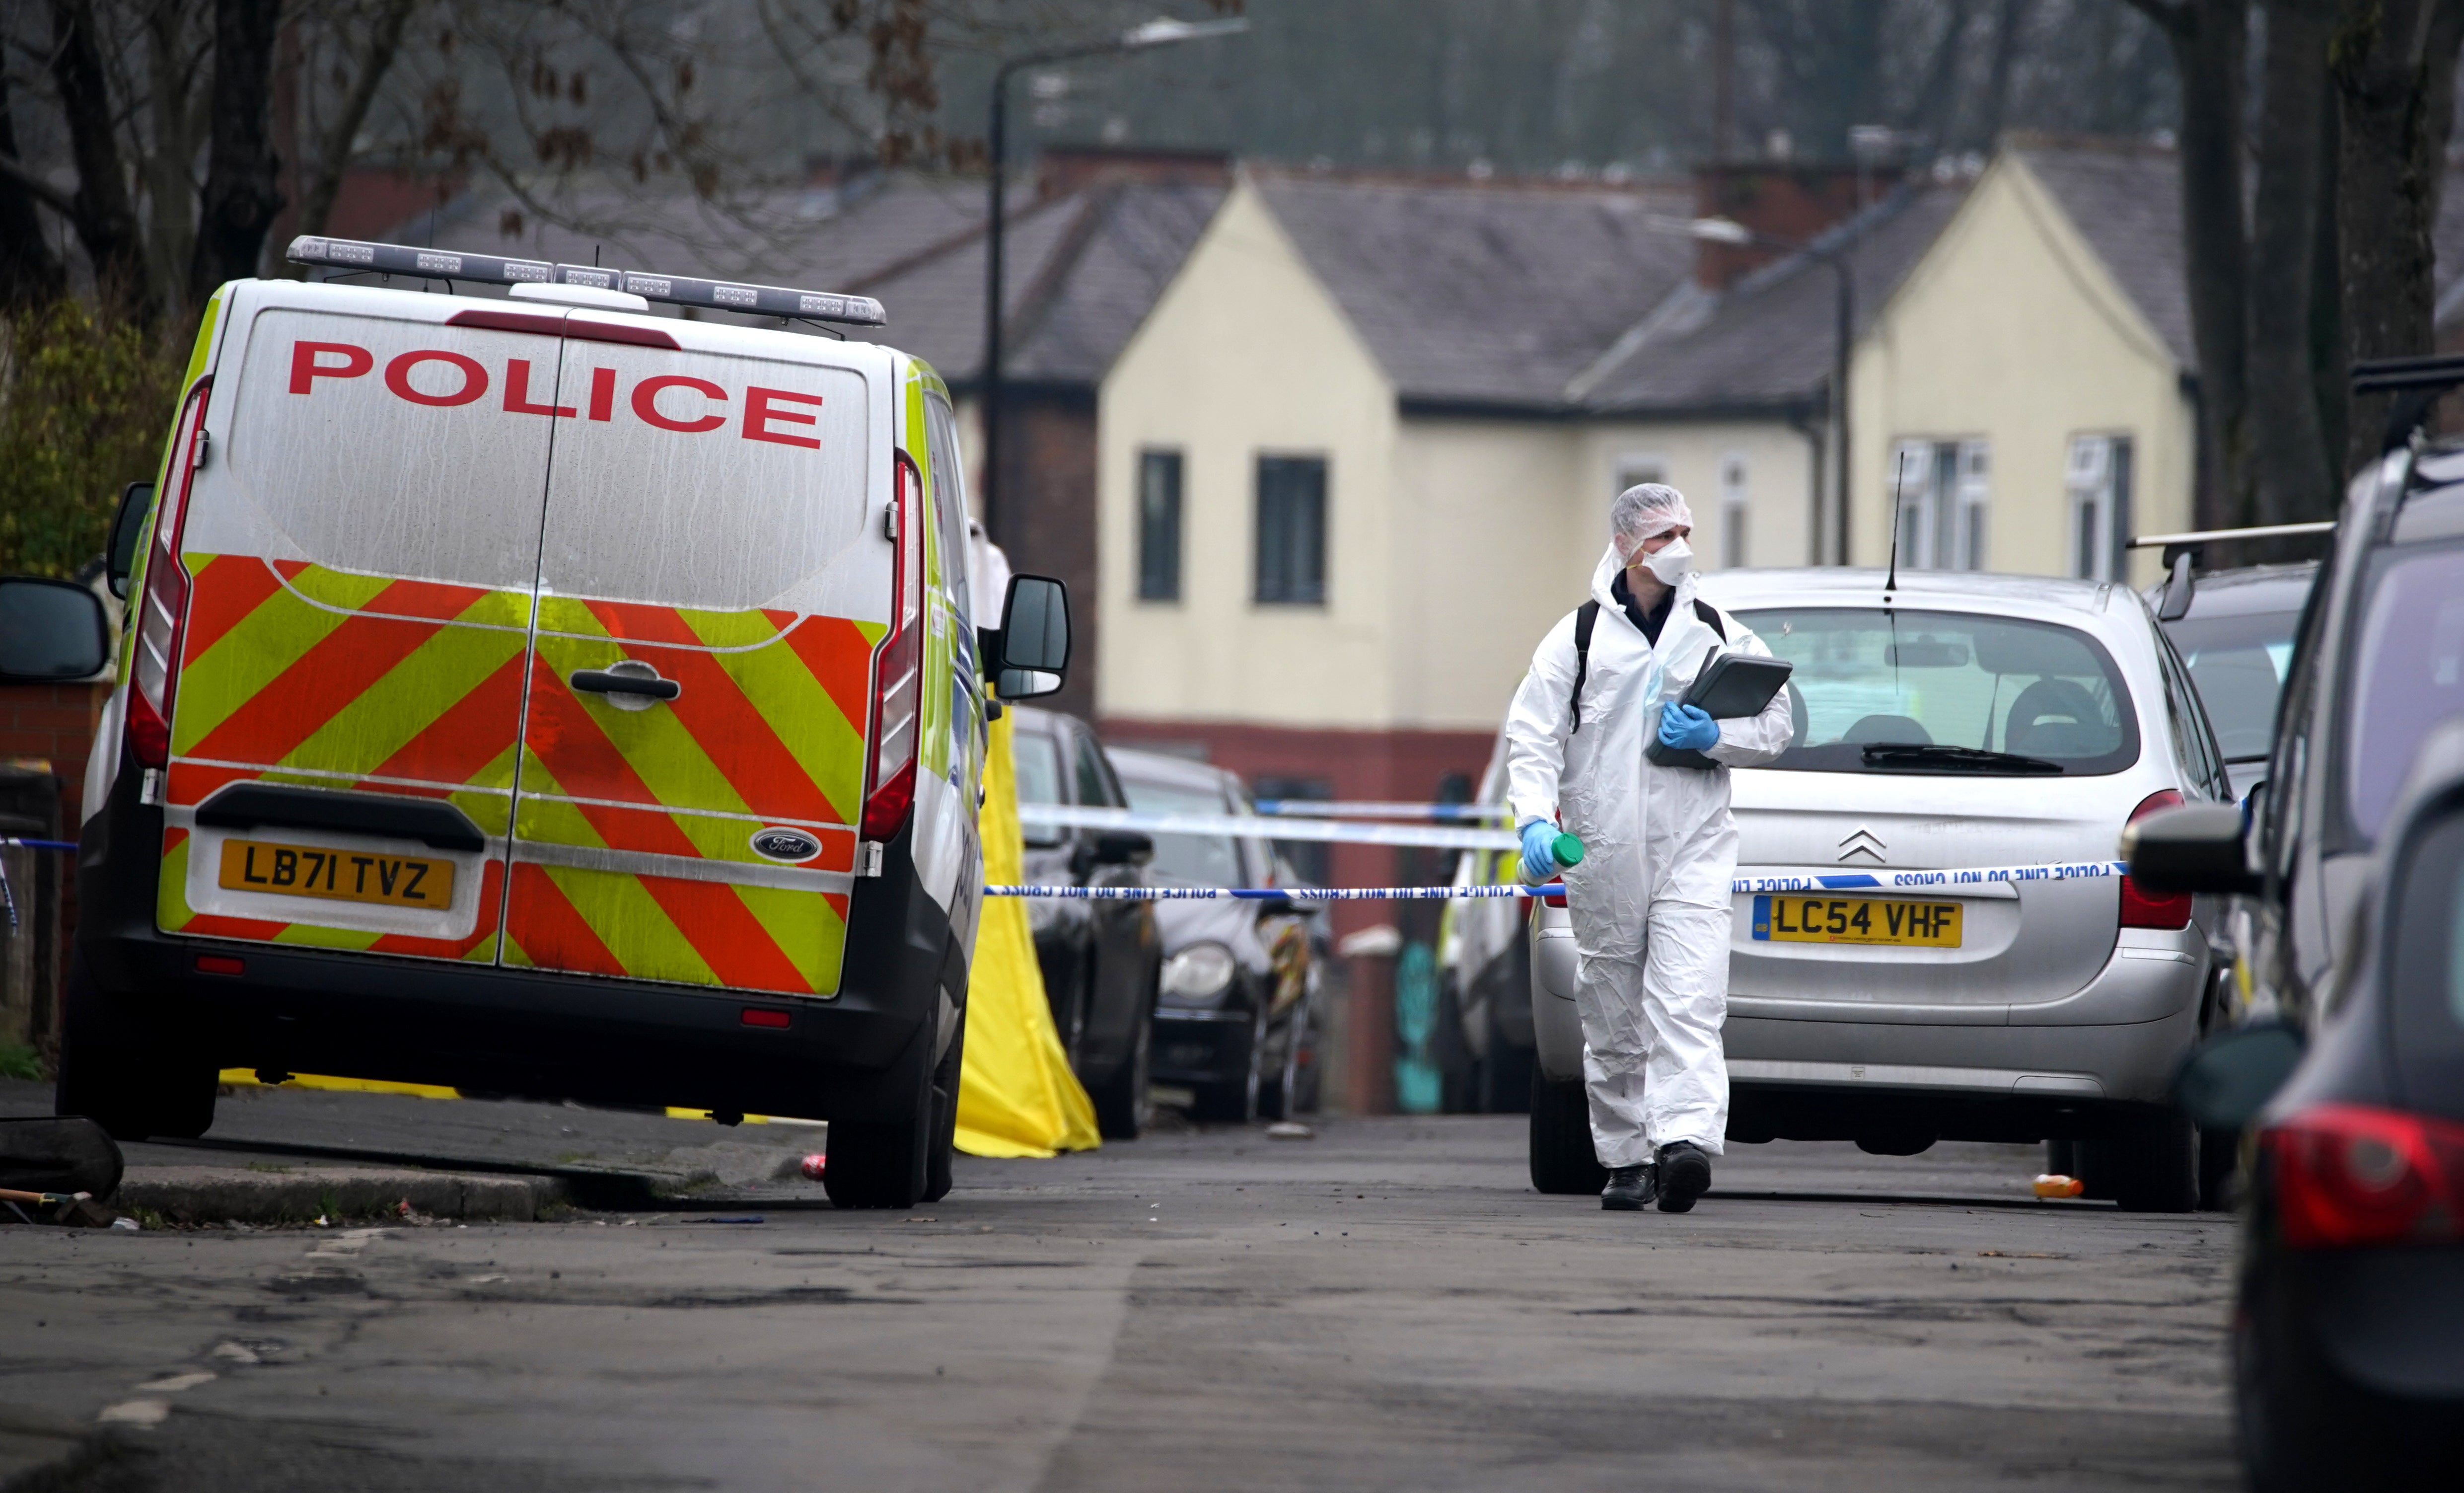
{"points": [[898, 665], [2348, 1175], [163, 608], [2143, 908]]}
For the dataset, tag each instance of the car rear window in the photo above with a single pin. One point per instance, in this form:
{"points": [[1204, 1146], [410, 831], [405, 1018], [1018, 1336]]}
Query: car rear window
{"points": [[2408, 676], [1971, 693], [2239, 664], [1201, 859], [1037, 761]]}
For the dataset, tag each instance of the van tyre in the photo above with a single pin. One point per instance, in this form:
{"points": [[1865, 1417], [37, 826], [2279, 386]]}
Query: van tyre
{"points": [[938, 1176], [2149, 1160], [1123, 1104], [885, 1163], [110, 1074], [1563, 1162]]}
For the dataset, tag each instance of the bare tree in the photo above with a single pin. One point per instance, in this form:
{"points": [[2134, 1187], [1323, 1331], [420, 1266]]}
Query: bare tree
{"points": [[369, 39], [2394, 78], [239, 199]]}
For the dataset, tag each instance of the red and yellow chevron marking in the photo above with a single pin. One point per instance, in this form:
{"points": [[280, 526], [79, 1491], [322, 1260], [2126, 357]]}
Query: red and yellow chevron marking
{"points": [[173, 913], [771, 722], [647, 926], [293, 673], [291, 665]]}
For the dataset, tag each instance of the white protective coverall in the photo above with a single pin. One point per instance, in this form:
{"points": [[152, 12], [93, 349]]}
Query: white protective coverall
{"points": [[1650, 900]]}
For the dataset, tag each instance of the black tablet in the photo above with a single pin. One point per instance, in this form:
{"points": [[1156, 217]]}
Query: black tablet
{"points": [[1737, 684], [1729, 686]]}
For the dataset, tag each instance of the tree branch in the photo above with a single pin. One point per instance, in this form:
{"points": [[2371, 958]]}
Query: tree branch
{"points": [[326, 183], [2172, 16], [62, 203]]}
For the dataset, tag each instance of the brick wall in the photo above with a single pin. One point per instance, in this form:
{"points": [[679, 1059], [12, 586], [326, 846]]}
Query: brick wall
{"points": [[1046, 518], [49, 725]]}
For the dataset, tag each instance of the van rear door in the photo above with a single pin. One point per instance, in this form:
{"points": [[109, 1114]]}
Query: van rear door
{"points": [[362, 540], [712, 531]]}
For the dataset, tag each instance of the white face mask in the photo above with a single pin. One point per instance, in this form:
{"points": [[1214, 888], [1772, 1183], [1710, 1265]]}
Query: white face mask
{"points": [[1672, 564]]}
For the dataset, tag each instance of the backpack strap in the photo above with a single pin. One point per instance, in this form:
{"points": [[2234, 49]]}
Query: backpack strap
{"points": [[1710, 616], [1585, 616]]}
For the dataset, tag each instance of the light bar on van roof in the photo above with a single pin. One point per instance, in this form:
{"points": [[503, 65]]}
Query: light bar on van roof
{"points": [[440, 264]]}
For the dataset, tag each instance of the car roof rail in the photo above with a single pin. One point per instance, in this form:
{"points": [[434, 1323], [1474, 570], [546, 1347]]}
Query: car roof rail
{"points": [[354, 257]]}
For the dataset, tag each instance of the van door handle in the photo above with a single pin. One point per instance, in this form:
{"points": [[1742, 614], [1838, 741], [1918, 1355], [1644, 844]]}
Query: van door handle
{"points": [[629, 677]]}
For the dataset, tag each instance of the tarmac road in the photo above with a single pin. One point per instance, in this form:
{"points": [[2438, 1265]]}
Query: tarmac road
{"points": [[1386, 1305]]}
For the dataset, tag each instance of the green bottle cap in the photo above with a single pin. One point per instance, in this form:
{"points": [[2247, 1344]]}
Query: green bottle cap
{"points": [[1568, 850]]}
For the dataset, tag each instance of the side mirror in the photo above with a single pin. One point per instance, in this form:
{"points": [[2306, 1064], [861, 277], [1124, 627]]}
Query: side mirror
{"points": [[51, 631], [127, 527], [2176, 603], [1124, 847], [1034, 653], [2228, 1078], [2196, 848]]}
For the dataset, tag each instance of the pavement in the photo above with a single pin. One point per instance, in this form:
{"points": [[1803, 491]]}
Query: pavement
{"points": [[1387, 1305]]}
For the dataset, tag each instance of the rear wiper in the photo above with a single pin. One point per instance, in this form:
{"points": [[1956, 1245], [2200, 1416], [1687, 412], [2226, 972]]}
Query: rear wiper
{"points": [[1912, 753]]}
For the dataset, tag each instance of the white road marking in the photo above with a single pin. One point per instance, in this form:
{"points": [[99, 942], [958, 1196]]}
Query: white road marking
{"points": [[144, 1414], [175, 1383]]}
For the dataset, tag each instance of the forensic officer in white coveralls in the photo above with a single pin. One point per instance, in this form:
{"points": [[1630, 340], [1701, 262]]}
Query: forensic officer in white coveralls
{"points": [[1649, 900]]}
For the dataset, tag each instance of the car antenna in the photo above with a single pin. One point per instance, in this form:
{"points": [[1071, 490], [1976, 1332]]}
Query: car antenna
{"points": [[1899, 491]]}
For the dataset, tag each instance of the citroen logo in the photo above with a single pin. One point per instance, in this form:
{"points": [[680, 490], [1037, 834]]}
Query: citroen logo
{"points": [[1865, 842]]}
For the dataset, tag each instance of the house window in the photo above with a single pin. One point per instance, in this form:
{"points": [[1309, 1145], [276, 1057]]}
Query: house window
{"points": [[2098, 476], [1633, 470], [1733, 473], [1291, 530], [1159, 526], [1942, 489]]}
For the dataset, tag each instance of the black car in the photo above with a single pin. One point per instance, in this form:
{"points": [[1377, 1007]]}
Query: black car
{"points": [[2378, 662], [2237, 638], [2348, 1318], [1238, 1020], [1101, 960]]}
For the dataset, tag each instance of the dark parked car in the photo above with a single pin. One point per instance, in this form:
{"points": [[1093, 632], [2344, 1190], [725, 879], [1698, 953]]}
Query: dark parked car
{"points": [[1101, 960], [2237, 640], [2348, 1321], [2378, 662], [1237, 1022]]}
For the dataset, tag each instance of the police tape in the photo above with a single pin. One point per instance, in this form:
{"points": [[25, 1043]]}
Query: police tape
{"points": [[1257, 826], [1843, 881], [8, 894], [1379, 808]]}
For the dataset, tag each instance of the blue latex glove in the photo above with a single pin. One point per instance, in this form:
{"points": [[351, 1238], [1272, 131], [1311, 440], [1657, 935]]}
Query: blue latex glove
{"points": [[1539, 855], [1688, 727]]}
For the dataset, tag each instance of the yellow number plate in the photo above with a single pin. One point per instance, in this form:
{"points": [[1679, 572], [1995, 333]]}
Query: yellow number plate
{"points": [[1795, 919], [298, 871]]}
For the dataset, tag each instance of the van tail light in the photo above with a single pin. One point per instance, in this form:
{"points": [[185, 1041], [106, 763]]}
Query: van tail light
{"points": [[162, 606], [898, 665], [2347, 1175], [2143, 908]]}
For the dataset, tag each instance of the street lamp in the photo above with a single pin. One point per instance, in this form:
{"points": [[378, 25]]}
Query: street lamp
{"points": [[1729, 230], [1160, 32]]}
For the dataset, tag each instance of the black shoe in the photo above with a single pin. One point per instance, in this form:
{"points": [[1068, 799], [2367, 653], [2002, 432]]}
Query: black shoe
{"points": [[1685, 1174], [1629, 1188]]}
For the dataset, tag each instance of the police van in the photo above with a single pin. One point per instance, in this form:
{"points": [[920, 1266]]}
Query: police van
{"points": [[535, 694]]}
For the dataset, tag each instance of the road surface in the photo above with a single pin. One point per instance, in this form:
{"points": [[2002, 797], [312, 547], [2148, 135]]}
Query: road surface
{"points": [[1386, 1305]]}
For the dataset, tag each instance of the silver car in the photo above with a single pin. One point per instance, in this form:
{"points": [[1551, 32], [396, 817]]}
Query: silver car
{"points": [[1959, 722]]}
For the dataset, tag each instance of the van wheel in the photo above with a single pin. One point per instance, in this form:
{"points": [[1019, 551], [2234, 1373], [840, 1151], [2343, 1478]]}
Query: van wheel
{"points": [[130, 1087], [1562, 1160], [945, 1116], [883, 1163], [2150, 1162], [1123, 1105]]}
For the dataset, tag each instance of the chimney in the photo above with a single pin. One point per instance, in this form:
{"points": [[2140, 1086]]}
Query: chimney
{"points": [[1063, 169], [1785, 200]]}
